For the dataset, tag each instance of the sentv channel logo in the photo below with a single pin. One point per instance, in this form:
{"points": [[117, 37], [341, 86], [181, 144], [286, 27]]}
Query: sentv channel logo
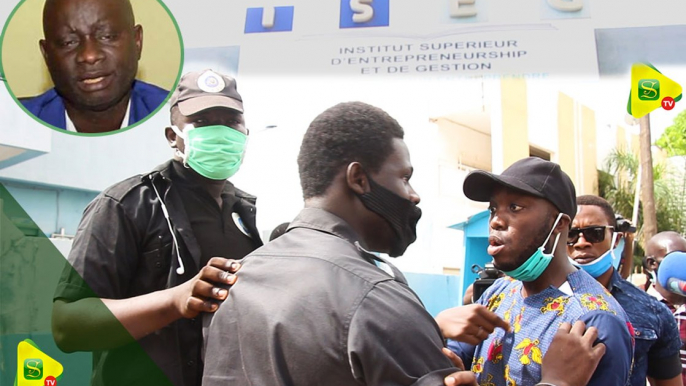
{"points": [[651, 90], [34, 367]]}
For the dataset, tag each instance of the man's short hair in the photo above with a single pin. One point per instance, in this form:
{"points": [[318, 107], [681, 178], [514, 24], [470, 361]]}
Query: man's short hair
{"points": [[600, 203], [345, 133]]}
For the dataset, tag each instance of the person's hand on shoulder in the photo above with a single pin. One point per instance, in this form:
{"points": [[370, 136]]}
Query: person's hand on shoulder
{"points": [[202, 293], [572, 358]]}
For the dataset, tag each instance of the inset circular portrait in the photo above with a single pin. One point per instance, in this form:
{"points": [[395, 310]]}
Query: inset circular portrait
{"points": [[91, 66]]}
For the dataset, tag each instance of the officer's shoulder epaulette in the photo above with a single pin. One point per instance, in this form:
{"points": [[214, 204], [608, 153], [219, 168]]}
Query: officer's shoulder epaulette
{"points": [[121, 189], [244, 194]]}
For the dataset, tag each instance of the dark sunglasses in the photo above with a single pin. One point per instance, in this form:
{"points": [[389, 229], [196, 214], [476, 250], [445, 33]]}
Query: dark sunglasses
{"points": [[591, 234]]}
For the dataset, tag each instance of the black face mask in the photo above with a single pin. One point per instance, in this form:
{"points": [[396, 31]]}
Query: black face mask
{"points": [[402, 215]]}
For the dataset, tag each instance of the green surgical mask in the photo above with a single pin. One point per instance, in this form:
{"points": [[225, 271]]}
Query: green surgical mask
{"points": [[534, 266], [214, 152]]}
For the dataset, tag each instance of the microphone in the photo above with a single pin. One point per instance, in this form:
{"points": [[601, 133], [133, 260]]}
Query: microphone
{"points": [[672, 273]]}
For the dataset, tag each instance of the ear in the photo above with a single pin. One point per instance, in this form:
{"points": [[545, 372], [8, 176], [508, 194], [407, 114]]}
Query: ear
{"points": [[356, 178], [138, 38], [564, 224], [651, 262], [42, 43], [171, 137]]}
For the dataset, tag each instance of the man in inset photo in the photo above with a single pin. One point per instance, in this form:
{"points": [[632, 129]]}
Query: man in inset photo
{"points": [[92, 49]]}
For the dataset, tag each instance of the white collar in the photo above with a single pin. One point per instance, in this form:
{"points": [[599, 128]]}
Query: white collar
{"points": [[566, 289], [124, 122]]}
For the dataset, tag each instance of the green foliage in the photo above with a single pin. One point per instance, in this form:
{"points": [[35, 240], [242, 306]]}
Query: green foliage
{"points": [[673, 140], [617, 184]]}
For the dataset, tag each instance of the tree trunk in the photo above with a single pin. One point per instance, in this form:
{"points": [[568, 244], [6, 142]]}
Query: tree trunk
{"points": [[647, 184]]}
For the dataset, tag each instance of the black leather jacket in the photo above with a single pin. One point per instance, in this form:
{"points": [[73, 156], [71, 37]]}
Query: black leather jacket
{"points": [[123, 248]]}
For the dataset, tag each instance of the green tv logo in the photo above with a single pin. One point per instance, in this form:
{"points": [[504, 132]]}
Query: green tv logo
{"points": [[648, 89], [33, 368]]}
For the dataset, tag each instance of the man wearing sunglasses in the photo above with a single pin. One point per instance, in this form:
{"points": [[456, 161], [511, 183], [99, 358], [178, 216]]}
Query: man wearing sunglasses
{"points": [[532, 204], [591, 243]]}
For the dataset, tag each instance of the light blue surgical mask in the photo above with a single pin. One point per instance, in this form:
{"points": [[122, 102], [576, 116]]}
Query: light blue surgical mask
{"points": [[534, 266], [617, 257], [600, 265]]}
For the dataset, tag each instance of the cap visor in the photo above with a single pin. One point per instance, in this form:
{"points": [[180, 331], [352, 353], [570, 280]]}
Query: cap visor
{"points": [[204, 102], [479, 185]]}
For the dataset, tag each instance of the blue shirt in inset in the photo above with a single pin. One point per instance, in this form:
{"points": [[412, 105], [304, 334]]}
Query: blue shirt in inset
{"points": [[49, 106]]}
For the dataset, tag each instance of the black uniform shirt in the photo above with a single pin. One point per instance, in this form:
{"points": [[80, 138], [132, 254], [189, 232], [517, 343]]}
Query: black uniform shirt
{"points": [[310, 308], [123, 248], [216, 229]]}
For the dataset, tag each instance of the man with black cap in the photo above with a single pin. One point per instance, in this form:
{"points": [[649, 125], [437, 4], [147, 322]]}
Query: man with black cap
{"points": [[159, 250], [532, 204]]}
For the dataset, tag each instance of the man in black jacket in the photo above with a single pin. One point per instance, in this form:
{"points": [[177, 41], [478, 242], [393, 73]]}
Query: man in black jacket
{"points": [[317, 307]]}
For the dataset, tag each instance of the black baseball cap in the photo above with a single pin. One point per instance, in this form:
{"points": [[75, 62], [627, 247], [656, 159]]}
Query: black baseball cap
{"points": [[532, 175], [202, 90]]}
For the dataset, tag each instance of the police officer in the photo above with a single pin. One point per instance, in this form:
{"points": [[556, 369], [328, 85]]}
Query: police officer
{"points": [[156, 251]]}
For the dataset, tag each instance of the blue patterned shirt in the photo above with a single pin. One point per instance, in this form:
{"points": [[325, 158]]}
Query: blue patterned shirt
{"points": [[514, 358]]}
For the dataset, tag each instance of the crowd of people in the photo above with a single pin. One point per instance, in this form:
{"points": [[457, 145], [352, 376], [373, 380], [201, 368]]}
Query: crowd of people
{"points": [[318, 304], [169, 283]]}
